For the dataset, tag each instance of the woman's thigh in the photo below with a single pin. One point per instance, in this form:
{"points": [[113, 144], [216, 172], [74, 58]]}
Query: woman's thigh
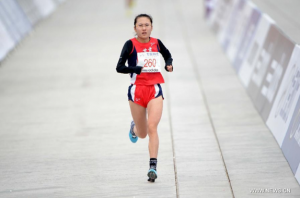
{"points": [[139, 117], [155, 107]]}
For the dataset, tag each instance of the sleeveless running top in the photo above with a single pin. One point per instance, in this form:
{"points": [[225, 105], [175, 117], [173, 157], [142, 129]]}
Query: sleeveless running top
{"points": [[144, 78]]}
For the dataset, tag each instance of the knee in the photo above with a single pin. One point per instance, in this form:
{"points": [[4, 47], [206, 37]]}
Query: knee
{"points": [[143, 135], [152, 128]]}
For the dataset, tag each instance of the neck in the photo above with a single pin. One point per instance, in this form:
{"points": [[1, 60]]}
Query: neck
{"points": [[141, 40]]}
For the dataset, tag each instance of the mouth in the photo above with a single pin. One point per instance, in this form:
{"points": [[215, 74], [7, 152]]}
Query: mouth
{"points": [[144, 33]]}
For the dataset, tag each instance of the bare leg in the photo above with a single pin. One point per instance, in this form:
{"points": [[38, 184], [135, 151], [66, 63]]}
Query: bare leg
{"points": [[139, 117], [154, 107]]}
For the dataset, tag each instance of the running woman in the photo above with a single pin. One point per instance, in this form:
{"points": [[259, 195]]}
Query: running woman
{"points": [[145, 94]]}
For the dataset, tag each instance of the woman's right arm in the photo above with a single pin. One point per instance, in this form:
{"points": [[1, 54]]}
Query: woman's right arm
{"points": [[121, 67]]}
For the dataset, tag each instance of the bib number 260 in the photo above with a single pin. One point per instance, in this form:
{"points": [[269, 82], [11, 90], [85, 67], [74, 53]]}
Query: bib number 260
{"points": [[150, 61]]}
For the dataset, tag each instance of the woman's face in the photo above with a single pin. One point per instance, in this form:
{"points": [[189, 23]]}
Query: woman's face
{"points": [[143, 27]]}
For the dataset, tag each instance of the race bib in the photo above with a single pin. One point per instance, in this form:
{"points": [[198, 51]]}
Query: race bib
{"points": [[150, 61]]}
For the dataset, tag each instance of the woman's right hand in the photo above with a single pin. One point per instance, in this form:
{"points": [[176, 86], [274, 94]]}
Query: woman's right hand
{"points": [[169, 68]]}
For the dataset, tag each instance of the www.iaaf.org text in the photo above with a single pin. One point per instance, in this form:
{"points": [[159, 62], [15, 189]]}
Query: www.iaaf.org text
{"points": [[270, 190]]}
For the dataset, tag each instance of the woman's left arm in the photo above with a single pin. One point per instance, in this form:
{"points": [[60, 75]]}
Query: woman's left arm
{"points": [[167, 56]]}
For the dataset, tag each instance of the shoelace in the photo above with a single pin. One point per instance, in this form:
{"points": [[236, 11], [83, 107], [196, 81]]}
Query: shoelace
{"points": [[131, 130]]}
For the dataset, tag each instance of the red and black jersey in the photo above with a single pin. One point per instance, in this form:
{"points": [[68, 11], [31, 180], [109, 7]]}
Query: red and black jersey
{"points": [[129, 53]]}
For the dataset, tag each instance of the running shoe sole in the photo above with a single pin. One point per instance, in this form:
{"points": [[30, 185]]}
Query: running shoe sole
{"points": [[152, 174], [133, 139], [151, 180]]}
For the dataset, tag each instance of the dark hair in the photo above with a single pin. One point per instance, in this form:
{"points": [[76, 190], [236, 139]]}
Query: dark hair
{"points": [[143, 15]]}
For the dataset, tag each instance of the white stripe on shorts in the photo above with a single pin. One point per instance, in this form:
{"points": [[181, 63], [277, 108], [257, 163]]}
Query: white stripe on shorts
{"points": [[132, 92], [156, 90]]}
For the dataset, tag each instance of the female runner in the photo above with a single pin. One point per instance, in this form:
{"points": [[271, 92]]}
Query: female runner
{"points": [[145, 94]]}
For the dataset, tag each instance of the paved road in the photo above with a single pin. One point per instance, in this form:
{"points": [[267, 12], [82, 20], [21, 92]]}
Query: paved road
{"points": [[65, 116]]}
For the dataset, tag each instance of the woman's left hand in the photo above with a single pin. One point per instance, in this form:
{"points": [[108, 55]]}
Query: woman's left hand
{"points": [[169, 68]]}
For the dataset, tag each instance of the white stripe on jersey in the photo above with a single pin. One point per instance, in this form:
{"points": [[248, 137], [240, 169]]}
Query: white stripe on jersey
{"points": [[133, 78]]}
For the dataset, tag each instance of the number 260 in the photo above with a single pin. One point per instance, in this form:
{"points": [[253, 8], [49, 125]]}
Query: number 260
{"points": [[150, 62]]}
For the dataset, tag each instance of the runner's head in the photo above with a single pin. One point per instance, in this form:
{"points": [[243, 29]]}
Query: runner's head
{"points": [[142, 15], [143, 26]]}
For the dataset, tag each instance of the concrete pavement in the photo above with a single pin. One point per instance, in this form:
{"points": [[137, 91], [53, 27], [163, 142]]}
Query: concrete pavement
{"points": [[65, 116]]}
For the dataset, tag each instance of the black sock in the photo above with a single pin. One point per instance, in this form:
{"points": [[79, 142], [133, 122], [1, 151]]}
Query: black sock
{"points": [[153, 162]]}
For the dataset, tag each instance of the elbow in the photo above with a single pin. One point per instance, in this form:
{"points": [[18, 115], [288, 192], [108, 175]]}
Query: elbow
{"points": [[118, 70]]}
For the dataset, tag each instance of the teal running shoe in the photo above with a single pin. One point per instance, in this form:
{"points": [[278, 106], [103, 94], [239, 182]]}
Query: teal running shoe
{"points": [[152, 174], [133, 138]]}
